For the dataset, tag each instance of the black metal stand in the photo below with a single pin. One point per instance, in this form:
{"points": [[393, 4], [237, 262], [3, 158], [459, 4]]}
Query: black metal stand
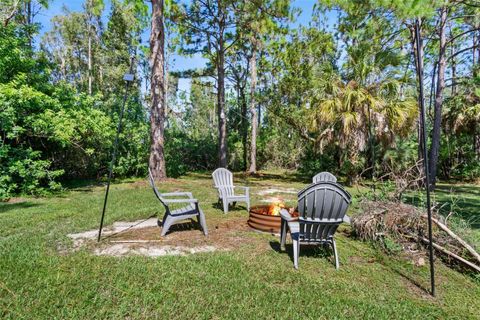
{"points": [[425, 153], [128, 80]]}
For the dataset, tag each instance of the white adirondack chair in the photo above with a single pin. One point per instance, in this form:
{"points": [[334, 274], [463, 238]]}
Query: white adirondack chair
{"points": [[189, 211], [324, 176], [321, 207], [223, 180]]}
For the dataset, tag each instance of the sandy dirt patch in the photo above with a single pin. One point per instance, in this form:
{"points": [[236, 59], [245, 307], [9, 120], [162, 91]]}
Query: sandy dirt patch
{"points": [[142, 237]]}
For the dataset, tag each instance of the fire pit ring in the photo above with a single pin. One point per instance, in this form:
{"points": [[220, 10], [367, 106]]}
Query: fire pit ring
{"points": [[259, 219], [267, 218]]}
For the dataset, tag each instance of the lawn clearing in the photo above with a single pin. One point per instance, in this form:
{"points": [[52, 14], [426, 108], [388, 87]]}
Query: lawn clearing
{"points": [[41, 277]]}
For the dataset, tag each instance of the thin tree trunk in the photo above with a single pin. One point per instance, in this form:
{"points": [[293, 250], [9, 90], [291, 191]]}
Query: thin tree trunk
{"points": [[89, 46], [244, 106], [453, 65], [253, 109], [29, 21], [89, 59], [474, 51], [437, 122], [157, 90], [222, 119], [476, 141], [419, 121]]}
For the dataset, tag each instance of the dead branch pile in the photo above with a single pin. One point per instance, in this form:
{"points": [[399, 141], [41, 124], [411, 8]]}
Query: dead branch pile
{"points": [[405, 224]]}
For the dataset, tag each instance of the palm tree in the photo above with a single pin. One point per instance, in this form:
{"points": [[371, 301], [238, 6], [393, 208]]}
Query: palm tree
{"points": [[463, 116], [350, 114]]}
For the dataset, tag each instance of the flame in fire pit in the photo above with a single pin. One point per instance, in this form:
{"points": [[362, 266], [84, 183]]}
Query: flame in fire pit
{"points": [[275, 207]]}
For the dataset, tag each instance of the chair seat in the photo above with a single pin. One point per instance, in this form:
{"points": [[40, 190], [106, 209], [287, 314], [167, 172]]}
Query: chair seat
{"points": [[190, 209], [234, 198]]}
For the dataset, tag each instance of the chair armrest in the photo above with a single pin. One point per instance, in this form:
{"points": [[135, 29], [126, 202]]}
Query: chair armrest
{"points": [[286, 215], [176, 194], [189, 200]]}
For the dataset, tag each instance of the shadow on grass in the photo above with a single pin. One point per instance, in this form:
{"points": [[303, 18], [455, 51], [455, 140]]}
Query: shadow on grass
{"points": [[417, 285], [306, 250], [231, 207], [4, 207], [87, 185], [470, 189]]}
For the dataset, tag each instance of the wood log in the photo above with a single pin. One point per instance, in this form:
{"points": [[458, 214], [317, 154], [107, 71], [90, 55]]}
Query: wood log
{"points": [[451, 254], [454, 236]]}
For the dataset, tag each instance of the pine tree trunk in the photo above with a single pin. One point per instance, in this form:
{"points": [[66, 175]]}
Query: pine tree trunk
{"points": [[89, 46], [222, 119], [437, 121], [243, 102], [476, 141], [89, 60], [253, 109], [157, 91], [454, 66], [419, 121]]}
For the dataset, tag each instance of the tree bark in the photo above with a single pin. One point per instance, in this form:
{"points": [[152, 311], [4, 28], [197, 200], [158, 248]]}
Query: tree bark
{"points": [[476, 141], [89, 59], [89, 8], [222, 119], [453, 65], [157, 91], [253, 109], [419, 121], [244, 128], [437, 120]]}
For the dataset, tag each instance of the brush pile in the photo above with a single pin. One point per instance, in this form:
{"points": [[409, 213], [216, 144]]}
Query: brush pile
{"points": [[407, 225]]}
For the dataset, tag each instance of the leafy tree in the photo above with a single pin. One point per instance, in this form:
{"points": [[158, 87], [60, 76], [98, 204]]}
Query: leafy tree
{"points": [[208, 27], [258, 20]]}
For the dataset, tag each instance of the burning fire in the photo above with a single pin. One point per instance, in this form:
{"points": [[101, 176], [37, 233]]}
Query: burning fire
{"points": [[275, 207]]}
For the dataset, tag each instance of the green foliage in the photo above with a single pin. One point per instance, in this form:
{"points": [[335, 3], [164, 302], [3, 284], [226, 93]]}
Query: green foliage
{"points": [[49, 130]]}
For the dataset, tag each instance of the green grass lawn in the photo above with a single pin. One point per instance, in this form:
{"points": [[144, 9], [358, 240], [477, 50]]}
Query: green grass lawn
{"points": [[38, 281]]}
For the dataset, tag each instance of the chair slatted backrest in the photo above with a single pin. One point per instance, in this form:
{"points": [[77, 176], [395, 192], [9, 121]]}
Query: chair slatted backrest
{"points": [[223, 179], [155, 190], [322, 207], [324, 176]]}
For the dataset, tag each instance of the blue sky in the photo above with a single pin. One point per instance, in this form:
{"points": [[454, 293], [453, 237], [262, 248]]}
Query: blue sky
{"points": [[179, 62]]}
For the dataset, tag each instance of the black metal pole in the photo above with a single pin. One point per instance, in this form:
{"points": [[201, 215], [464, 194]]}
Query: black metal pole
{"points": [[128, 80], [424, 149]]}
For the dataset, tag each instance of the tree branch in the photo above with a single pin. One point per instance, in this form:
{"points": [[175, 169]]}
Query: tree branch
{"points": [[12, 14], [461, 34], [460, 52]]}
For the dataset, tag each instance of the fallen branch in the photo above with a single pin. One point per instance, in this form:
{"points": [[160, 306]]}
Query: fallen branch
{"points": [[451, 254], [454, 236]]}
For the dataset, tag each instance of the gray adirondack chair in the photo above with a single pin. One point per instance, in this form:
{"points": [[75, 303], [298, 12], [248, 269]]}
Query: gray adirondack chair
{"points": [[324, 176], [322, 207], [190, 211], [223, 180]]}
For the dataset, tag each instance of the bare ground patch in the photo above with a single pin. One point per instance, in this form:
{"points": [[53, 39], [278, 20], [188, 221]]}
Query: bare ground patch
{"points": [[143, 238]]}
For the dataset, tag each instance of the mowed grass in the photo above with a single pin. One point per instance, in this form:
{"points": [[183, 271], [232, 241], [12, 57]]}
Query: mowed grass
{"points": [[37, 281]]}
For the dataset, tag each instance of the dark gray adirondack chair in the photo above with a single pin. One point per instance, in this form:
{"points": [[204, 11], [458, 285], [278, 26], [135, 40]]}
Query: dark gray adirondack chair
{"points": [[322, 207], [223, 180], [190, 211], [324, 176]]}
